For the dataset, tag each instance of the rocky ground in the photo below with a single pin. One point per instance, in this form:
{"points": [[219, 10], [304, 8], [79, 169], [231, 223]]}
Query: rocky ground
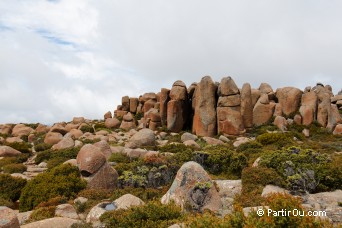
{"points": [[203, 156]]}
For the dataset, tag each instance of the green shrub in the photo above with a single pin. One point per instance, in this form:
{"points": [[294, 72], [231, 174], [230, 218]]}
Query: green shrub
{"points": [[174, 148], [87, 128], [119, 158], [32, 125], [23, 147], [11, 187], [95, 194], [62, 155], [13, 160], [55, 162], [63, 180], [53, 202], [304, 169], [254, 179], [209, 219], [42, 146], [280, 139], [152, 214], [223, 160], [249, 146], [14, 168], [42, 213]]}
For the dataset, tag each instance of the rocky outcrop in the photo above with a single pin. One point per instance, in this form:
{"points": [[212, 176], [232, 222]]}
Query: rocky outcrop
{"points": [[205, 121], [193, 186]]}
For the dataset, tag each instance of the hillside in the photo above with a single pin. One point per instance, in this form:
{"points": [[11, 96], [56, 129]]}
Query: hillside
{"points": [[207, 155]]}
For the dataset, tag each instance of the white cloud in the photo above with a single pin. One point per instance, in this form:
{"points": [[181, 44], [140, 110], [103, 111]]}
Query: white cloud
{"points": [[65, 58]]}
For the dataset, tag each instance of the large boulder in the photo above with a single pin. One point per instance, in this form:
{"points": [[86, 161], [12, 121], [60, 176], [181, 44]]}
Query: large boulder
{"points": [[229, 120], [6, 151], [66, 211], [21, 129], [6, 129], [194, 187], [126, 201], [144, 137], [96, 212], [104, 178], [262, 113], [289, 99], [338, 130], [8, 218], [133, 104], [107, 115], [112, 123], [247, 105], [265, 88], [177, 107], [104, 148], [78, 120], [125, 103], [90, 159], [65, 143], [308, 108], [56, 222], [204, 121], [281, 123], [175, 116], [227, 87], [53, 138], [59, 127]]}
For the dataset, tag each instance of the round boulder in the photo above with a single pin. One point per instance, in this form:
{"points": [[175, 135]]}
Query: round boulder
{"points": [[8, 218], [90, 159], [144, 137], [6, 151]]}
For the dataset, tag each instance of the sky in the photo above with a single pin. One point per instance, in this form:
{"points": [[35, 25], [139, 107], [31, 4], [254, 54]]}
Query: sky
{"points": [[66, 58]]}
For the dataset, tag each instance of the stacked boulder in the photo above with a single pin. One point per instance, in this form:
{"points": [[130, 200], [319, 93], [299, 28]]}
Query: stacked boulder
{"points": [[152, 119], [128, 122], [95, 169], [229, 108], [177, 107]]}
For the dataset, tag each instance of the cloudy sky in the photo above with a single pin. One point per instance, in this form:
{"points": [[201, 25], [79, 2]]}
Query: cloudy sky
{"points": [[65, 58]]}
